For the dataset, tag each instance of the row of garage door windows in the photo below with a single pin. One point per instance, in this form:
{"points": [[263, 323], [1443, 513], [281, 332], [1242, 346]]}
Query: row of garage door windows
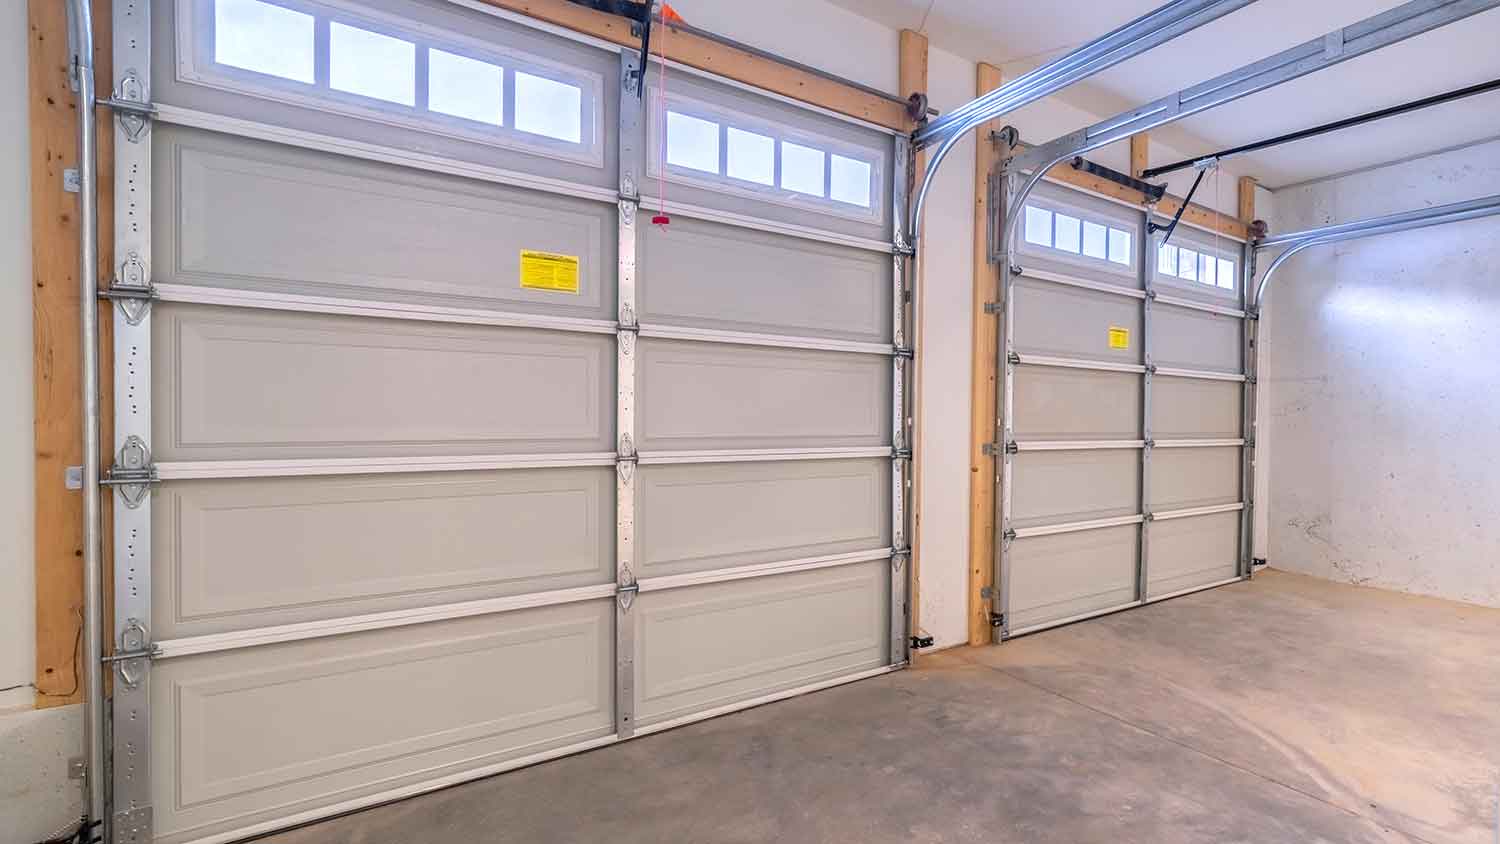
{"points": [[274, 39], [1090, 239]]}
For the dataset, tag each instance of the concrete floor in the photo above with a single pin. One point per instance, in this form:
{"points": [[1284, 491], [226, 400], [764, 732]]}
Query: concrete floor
{"points": [[1287, 709]]}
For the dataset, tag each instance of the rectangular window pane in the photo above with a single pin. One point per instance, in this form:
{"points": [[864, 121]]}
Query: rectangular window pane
{"points": [[1187, 264], [1119, 246], [1208, 269], [1095, 240], [801, 168], [372, 65], [1067, 233], [1226, 274], [849, 181], [1038, 226], [1166, 259], [692, 142], [752, 157], [554, 109], [264, 38], [465, 87]]}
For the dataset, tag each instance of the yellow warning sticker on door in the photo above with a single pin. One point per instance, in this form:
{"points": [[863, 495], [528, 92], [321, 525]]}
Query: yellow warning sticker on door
{"points": [[549, 271], [1119, 338]]}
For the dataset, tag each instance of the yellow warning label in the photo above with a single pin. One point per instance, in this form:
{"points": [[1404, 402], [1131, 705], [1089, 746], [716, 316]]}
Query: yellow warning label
{"points": [[549, 271], [1119, 338]]}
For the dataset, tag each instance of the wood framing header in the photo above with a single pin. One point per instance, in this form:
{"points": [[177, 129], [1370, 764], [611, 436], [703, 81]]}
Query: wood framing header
{"points": [[706, 54]]}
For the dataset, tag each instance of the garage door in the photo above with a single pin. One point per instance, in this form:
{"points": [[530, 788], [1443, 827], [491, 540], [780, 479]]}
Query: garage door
{"points": [[435, 456], [1120, 412]]}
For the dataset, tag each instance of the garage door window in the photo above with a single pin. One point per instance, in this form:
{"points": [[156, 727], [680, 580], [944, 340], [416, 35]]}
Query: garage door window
{"points": [[346, 59], [1186, 264], [1060, 232], [714, 148]]}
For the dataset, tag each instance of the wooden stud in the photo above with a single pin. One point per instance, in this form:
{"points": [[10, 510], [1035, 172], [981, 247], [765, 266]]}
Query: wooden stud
{"points": [[982, 379], [912, 76], [56, 354], [1140, 154], [706, 54], [1247, 199]]}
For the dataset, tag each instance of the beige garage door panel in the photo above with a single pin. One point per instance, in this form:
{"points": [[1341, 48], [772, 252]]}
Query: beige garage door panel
{"points": [[1050, 487], [721, 396], [239, 554], [1194, 408], [1194, 477], [267, 732], [239, 384], [719, 515], [1189, 339], [710, 275], [1072, 322], [249, 215], [1076, 404], [1070, 574], [1191, 552], [706, 646]]}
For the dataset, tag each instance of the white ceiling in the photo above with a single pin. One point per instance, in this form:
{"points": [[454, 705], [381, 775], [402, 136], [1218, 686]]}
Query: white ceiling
{"points": [[1019, 34]]}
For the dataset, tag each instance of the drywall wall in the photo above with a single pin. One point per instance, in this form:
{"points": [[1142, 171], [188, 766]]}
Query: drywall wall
{"points": [[1381, 374], [17, 589]]}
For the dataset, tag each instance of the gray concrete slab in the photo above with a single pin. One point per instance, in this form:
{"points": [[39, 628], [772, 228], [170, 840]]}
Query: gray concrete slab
{"points": [[1285, 709]]}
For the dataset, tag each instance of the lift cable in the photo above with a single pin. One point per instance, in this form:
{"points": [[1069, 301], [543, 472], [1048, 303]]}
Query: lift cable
{"points": [[1335, 126]]}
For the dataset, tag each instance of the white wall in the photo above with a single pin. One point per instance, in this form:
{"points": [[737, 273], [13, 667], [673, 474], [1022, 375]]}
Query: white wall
{"points": [[17, 590], [1382, 379]]}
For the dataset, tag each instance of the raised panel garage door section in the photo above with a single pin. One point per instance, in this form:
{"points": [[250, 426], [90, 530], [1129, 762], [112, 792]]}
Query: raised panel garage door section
{"points": [[446, 461], [1121, 412]]}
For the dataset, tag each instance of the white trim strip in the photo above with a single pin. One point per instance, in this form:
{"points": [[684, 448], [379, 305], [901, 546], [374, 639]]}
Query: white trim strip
{"points": [[1191, 304], [1074, 527], [1225, 443], [1084, 283], [1047, 625], [745, 221], [1197, 511], [1077, 445], [746, 338], [403, 792], [764, 699], [677, 581], [1079, 363], [236, 640], [1191, 589], [214, 469], [374, 152], [1200, 374], [198, 295], [658, 458]]}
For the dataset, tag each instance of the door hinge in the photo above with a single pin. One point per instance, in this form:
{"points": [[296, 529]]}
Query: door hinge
{"points": [[992, 307], [919, 642], [994, 449], [77, 768], [987, 593], [626, 588]]}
